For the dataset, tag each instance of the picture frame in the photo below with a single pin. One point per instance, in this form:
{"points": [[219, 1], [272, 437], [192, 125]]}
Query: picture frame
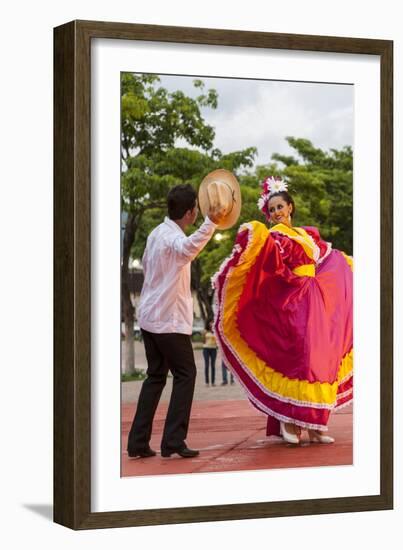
{"points": [[72, 274]]}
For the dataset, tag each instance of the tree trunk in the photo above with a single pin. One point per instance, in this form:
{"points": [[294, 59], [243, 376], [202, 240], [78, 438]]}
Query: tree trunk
{"points": [[204, 298], [127, 306], [128, 349]]}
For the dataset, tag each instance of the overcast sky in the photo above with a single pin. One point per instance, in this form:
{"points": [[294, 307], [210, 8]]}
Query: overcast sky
{"points": [[262, 113]]}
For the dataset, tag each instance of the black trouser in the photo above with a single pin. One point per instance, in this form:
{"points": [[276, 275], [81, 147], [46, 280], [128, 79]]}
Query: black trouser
{"points": [[165, 352], [224, 371], [210, 355]]}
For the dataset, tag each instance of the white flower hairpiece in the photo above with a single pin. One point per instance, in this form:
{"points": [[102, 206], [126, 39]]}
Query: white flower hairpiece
{"points": [[262, 201], [276, 185]]}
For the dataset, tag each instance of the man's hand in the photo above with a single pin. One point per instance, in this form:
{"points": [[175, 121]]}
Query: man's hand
{"points": [[217, 213]]}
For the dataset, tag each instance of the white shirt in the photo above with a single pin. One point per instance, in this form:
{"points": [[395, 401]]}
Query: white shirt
{"points": [[166, 303]]}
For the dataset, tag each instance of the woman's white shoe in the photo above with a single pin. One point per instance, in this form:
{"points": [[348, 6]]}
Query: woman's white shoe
{"points": [[318, 437], [287, 436]]}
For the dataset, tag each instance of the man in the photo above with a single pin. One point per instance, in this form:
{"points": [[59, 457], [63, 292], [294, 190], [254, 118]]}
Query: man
{"points": [[165, 316]]}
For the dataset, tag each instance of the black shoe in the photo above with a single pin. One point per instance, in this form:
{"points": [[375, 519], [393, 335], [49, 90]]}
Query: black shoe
{"points": [[224, 383], [142, 453], [184, 453]]}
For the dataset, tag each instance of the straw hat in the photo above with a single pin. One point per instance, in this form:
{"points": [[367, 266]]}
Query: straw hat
{"points": [[221, 187]]}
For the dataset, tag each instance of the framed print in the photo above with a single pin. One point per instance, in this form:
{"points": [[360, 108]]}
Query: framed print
{"points": [[316, 114]]}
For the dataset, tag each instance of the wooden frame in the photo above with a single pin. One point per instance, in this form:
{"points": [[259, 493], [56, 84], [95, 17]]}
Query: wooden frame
{"points": [[72, 269]]}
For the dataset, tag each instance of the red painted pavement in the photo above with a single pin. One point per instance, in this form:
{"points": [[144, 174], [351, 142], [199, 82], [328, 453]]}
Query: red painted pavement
{"points": [[231, 436]]}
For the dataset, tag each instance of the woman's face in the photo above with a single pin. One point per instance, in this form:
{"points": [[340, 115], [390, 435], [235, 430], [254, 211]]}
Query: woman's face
{"points": [[280, 211]]}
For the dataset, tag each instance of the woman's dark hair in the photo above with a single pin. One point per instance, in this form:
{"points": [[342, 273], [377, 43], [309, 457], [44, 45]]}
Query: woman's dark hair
{"points": [[181, 198], [207, 323], [285, 196]]}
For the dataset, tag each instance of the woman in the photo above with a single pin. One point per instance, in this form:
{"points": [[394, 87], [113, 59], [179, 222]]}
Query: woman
{"points": [[284, 320], [209, 354]]}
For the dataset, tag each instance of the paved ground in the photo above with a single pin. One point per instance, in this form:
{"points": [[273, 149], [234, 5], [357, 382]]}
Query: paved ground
{"points": [[230, 434]]}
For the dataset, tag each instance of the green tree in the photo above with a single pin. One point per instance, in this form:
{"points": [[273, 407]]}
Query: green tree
{"points": [[323, 189]]}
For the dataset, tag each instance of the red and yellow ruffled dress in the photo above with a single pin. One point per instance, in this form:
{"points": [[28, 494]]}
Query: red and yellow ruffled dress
{"points": [[284, 323]]}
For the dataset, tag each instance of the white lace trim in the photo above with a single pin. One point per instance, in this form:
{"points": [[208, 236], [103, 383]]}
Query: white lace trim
{"points": [[315, 247], [347, 377], [263, 408], [339, 407], [326, 254], [236, 248], [221, 269], [344, 394], [283, 418]]}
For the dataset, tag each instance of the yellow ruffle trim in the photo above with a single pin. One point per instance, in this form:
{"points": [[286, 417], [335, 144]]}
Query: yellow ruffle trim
{"points": [[346, 367], [349, 260], [300, 391]]}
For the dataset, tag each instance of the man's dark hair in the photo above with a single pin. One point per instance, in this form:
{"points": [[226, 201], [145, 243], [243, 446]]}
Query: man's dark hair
{"points": [[181, 198]]}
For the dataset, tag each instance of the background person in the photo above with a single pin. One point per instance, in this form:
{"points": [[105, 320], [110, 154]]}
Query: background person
{"points": [[209, 354], [224, 370]]}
